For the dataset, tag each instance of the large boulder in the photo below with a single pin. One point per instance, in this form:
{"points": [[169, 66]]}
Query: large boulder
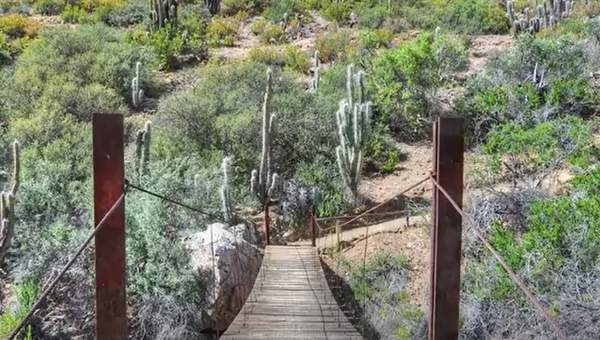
{"points": [[236, 262]]}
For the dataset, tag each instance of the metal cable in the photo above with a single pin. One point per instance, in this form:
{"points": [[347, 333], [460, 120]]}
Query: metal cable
{"points": [[381, 204], [534, 300], [69, 264], [170, 200]]}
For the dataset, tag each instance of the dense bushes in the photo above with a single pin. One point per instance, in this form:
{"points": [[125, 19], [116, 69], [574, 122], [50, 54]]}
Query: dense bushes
{"points": [[83, 70], [539, 78], [225, 104], [404, 81], [380, 288], [518, 151], [555, 252]]}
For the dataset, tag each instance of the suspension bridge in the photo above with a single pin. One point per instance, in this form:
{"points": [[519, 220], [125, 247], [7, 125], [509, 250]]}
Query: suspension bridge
{"points": [[291, 296]]}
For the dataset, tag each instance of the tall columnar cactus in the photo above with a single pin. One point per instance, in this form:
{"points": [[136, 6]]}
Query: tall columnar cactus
{"points": [[163, 12], [510, 11], [314, 82], [142, 148], [226, 202], [263, 184], [213, 6], [7, 205], [137, 94], [353, 120]]}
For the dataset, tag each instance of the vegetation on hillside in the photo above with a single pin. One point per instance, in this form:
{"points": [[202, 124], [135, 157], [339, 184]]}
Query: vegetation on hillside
{"points": [[382, 66]]}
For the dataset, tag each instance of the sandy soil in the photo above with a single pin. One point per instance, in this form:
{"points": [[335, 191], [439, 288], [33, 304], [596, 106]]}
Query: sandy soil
{"points": [[413, 244]]}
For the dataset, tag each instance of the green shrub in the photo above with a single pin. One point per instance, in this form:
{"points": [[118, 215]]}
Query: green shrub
{"points": [[26, 293], [463, 16], [332, 45], [267, 55], [296, 59], [79, 59], [225, 104], [49, 7], [402, 79], [338, 11], [74, 14], [506, 91], [222, 31], [382, 153], [122, 15], [232, 7], [451, 53], [372, 17], [278, 9], [380, 289], [521, 150]]}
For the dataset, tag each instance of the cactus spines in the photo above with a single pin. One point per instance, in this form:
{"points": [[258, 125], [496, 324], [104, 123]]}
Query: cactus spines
{"points": [[353, 121], [137, 94], [142, 148], [7, 205], [226, 202], [262, 183]]}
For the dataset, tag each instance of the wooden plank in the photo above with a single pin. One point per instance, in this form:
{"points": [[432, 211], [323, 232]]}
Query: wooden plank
{"points": [[291, 300]]}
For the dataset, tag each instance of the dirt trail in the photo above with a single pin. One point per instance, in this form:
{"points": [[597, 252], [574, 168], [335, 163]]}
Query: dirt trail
{"points": [[481, 49]]}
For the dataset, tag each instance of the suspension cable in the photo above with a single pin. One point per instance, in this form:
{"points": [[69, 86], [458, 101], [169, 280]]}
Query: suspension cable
{"points": [[354, 219], [64, 270], [532, 298], [170, 200]]}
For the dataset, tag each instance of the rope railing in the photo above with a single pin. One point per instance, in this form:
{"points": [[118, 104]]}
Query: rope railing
{"points": [[173, 201], [52, 285], [370, 210], [480, 235]]}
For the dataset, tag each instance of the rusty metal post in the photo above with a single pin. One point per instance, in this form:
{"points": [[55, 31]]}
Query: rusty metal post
{"points": [[111, 304], [338, 233], [313, 231], [448, 143], [267, 222]]}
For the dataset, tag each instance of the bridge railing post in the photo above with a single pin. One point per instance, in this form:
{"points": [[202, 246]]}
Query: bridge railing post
{"points": [[313, 227], [267, 224], [111, 304], [448, 154]]}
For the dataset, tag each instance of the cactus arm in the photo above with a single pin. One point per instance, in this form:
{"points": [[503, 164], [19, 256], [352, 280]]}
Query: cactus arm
{"points": [[16, 169]]}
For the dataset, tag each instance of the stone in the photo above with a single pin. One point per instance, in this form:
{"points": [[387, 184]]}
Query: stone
{"points": [[236, 262]]}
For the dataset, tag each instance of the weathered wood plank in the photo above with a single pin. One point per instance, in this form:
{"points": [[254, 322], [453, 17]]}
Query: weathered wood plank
{"points": [[291, 300]]}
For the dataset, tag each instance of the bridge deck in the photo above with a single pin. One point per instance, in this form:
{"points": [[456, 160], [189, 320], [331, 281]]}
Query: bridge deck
{"points": [[291, 300]]}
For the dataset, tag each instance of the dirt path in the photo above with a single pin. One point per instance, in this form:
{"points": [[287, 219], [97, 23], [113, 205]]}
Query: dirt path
{"points": [[415, 166]]}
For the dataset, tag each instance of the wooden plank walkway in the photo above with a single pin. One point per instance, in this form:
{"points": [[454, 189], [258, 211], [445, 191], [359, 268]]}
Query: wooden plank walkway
{"points": [[291, 300]]}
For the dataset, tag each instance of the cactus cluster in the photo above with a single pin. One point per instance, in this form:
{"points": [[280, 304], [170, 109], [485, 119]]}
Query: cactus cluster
{"points": [[314, 82], [163, 12], [137, 94], [353, 120], [543, 16], [142, 148], [7, 205], [265, 185], [226, 202]]}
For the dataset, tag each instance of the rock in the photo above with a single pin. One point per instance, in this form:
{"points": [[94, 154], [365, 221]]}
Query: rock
{"points": [[236, 260]]}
